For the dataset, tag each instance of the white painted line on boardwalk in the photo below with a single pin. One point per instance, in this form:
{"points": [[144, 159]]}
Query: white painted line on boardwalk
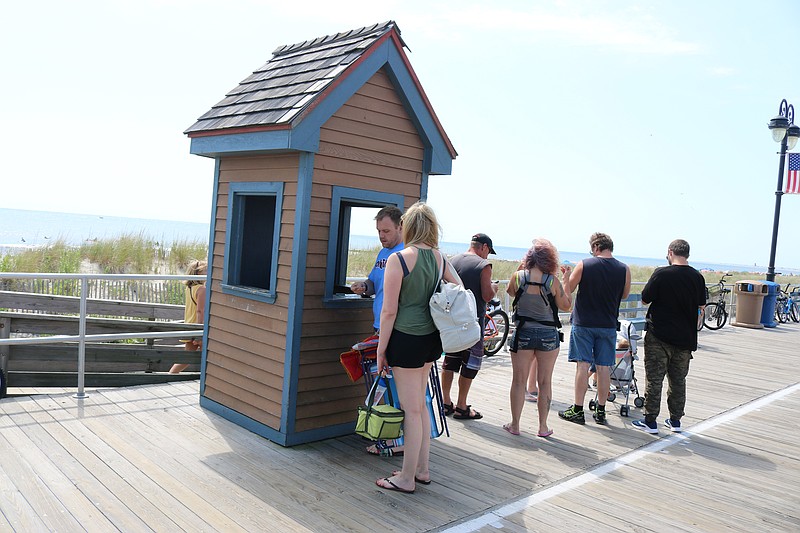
{"points": [[493, 518]]}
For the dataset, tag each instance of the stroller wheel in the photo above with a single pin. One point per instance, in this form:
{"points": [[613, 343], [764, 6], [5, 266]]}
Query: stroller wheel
{"points": [[638, 401], [623, 411], [592, 403], [612, 397]]}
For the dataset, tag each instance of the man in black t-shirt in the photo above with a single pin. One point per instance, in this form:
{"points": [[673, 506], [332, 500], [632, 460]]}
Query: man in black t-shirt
{"points": [[676, 294]]}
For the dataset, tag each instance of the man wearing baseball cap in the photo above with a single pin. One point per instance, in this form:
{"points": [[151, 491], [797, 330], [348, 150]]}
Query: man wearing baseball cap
{"points": [[476, 273]]}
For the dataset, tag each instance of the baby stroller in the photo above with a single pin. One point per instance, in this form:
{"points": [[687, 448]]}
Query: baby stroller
{"points": [[623, 377]]}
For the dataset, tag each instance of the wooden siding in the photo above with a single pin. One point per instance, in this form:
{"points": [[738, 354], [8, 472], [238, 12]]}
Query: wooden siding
{"points": [[369, 143], [247, 339]]}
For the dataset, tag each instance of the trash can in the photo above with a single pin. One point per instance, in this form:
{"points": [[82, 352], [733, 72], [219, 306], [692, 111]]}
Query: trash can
{"points": [[749, 302], [770, 301]]}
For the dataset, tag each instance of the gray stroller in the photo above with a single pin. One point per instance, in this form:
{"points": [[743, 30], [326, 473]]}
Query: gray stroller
{"points": [[623, 377]]}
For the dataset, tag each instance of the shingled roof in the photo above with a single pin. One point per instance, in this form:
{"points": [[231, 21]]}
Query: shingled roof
{"points": [[290, 82]]}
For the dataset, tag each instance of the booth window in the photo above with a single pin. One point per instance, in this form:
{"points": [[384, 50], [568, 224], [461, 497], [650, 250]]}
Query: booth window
{"points": [[351, 210], [253, 231]]}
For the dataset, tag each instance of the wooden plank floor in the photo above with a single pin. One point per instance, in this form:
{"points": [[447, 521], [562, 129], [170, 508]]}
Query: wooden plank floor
{"points": [[150, 459]]}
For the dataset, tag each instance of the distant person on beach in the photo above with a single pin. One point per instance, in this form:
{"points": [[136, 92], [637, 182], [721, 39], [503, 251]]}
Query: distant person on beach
{"points": [[388, 224], [602, 282], [675, 293], [476, 273], [390, 232], [536, 335], [409, 342], [194, 307]]}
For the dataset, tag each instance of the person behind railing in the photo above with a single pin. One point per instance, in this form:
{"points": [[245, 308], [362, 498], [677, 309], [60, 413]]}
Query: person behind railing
{"points": [[195, 306]]}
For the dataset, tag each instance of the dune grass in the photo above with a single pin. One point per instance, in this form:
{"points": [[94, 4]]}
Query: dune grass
{"points": [[132, 253]]}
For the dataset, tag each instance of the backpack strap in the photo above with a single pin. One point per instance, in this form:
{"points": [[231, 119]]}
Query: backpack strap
{"points": [[402, 263], [546, 295]]}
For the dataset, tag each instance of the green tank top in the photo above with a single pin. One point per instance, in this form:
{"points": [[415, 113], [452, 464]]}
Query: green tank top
{"points": [[413, 313]]}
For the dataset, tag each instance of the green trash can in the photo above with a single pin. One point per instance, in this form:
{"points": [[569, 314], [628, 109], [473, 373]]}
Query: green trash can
{"points": [[749, 302]]}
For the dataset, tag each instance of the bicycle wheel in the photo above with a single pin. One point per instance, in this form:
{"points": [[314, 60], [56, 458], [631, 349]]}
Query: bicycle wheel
{"points": [[701, 318], [716, 316], [794, 313], [781, 311], [495, 332]]}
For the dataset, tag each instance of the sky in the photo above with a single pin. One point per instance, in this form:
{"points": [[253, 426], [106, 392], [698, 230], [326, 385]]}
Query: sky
{"points": [[643, 120]]}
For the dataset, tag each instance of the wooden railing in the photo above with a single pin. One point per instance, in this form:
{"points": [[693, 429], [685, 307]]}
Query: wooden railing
{"points": [[56, 341]]}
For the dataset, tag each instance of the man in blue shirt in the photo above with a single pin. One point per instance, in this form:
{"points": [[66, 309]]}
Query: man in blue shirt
{"points": [[390, 233]]}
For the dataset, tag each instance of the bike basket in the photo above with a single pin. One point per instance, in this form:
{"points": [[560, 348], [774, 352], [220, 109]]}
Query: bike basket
{"points": [[712, 292]]}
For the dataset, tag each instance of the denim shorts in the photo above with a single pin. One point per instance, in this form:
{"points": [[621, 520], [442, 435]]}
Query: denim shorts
{"points": [[593, 345], [544, 339]]}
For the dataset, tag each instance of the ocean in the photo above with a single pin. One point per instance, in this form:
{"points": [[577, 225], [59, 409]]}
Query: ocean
{"points": [[21, 229]]}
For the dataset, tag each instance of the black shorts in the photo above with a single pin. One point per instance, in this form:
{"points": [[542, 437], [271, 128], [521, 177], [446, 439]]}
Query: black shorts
{"points": [[413, 351]]}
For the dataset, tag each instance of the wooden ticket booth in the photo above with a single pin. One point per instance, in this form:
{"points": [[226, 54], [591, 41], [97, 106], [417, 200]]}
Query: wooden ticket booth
{"points": [[325, 127]]}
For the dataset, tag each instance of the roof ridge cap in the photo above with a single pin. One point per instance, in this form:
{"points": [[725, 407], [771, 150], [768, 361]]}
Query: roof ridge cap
{"points": [[383, 27]]}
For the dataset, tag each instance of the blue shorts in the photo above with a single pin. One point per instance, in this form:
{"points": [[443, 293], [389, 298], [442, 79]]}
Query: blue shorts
{"points": [[593, 345], [535, 338]]}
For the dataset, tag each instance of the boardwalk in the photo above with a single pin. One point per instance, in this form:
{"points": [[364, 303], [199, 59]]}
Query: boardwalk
{"points": [[149, 459]]}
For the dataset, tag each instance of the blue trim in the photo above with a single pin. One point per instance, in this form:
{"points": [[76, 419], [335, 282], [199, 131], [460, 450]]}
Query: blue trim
{"points": [[271, 434], [304, 135], [345, 194], [244, 421], [297, 285], [209, 288], [233, 242], [423, 188], [241, 143]]}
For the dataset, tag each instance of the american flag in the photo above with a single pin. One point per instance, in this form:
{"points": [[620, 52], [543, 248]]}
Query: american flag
{"points": [[793, 179]]}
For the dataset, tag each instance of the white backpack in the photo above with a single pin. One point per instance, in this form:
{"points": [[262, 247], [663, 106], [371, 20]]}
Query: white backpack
{"points": [[455, 315]]}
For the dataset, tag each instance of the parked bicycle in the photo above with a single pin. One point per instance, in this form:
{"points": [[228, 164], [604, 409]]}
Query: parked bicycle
{"points": [[495, 329], [786, 306], [715, 314]]}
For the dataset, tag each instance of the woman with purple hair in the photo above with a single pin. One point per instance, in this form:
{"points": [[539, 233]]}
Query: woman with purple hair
{"points": [[536, 335]]}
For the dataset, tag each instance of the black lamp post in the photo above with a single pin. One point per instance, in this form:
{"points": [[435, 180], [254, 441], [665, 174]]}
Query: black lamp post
{"points": [[785, 132]]}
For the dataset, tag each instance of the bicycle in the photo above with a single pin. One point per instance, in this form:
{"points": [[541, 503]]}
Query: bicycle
{"points": [[786, 306], [715, 314], [495, 329]]}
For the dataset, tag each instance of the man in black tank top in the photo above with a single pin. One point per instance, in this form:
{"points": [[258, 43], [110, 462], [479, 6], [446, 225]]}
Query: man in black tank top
{"points": [[476, 273], [602, 283]]}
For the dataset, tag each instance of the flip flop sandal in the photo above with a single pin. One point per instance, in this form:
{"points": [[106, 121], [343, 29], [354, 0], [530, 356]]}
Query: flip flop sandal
{"points": [[467, 414], [449, 409], [393, 486]]}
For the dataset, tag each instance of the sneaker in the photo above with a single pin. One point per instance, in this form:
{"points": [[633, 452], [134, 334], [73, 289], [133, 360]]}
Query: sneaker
{"points": [[674, 425], [600, 416], [573, 415], [531, 396], [648, 427]]}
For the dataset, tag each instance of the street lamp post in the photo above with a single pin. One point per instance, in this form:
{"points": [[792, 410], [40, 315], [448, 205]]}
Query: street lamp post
{"points": [[785, 132]]}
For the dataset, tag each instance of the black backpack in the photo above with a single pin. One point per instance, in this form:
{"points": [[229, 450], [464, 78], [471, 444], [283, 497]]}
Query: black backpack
{"points": [[547, 296]]}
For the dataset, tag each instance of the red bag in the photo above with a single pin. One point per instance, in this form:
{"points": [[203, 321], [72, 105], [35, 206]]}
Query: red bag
{"points": [[353, 360]]}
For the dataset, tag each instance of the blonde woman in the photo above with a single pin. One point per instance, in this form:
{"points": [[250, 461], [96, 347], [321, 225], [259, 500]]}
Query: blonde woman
{"points": [[194, 307], [536, 337], [409, 342]]}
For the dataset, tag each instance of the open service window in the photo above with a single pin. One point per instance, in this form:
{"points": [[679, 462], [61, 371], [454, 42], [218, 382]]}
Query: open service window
{"points": [[251, 243], [352, 218]]}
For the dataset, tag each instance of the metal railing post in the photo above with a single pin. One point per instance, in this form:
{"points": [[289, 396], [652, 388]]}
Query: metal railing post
{"points": [[82, 342]]}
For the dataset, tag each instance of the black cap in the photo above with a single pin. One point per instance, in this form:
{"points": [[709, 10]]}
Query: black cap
{"points": [[484, 239]]}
